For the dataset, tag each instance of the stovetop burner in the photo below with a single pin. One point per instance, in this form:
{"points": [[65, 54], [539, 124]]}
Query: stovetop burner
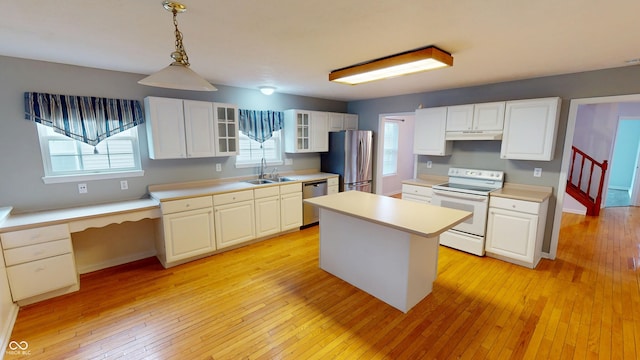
{"points": [[472, 181]]}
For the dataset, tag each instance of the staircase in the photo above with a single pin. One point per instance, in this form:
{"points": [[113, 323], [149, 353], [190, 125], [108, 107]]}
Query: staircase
{"points": [[582, 172]]}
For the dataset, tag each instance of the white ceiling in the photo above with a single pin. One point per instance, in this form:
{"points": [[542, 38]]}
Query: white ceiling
{"points": [[294, 44]]}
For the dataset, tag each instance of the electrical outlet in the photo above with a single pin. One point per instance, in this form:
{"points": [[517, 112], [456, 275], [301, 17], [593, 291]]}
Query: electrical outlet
{"points": [[124, 185], [82, 188], [537, 172], [218, 167], [429, 164], [288, 161]]}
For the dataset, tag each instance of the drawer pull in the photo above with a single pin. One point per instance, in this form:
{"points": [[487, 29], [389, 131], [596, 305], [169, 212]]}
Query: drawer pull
{"points": [[39, 252]]}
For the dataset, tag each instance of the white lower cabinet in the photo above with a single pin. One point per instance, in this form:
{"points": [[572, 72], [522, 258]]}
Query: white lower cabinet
{"points": [[235, 218], [188, 230], [416, 193], [39, 261], [267, 203], [515, 230], [290, 206], [333, 186]]}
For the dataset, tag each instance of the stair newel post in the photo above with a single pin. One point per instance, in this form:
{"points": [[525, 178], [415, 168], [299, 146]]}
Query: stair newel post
{"points": [[604, 167]]}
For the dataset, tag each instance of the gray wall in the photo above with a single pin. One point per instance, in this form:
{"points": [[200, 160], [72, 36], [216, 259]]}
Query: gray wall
{"points": [[21, 168], [486, 154]]}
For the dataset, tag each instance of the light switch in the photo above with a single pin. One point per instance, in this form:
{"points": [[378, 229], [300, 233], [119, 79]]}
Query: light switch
{"points": [[429, 164]]}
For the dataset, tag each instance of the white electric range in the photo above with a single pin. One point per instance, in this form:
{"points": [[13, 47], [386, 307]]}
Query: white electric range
{"points": [[467, 189]]}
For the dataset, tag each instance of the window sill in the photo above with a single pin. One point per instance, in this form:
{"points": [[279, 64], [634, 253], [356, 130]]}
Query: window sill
{"points": [[257, 164], [90, 177]]}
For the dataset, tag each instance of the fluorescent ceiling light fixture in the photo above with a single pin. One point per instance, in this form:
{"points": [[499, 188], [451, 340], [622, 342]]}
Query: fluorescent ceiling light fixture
{"points": [[408, 62], [267, 90], [177, 75]]}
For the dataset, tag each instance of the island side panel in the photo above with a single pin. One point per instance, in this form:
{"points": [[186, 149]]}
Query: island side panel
{"points": [[423, 268], [377, 259]]}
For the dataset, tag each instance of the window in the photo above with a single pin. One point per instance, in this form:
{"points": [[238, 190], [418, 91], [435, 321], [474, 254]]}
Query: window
{"points": [[390, 159], [67, 160], [250, 153]]}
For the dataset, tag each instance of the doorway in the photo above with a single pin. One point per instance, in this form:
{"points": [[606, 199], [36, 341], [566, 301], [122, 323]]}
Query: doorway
{"points": [[622, 185], [395, 162], [566, 156]]}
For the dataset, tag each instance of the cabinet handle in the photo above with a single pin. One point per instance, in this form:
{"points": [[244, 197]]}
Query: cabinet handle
{"points": [[41, 268]]}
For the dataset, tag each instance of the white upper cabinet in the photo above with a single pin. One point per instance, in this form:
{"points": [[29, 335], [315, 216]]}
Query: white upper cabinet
{"points": [[350, 122], [336, 121], [165, 128], [340, 121], [199, 128], [530, 128], [179, 128], [475, 121], [488, 116], [319, 131], [430, 131], [460, 118], [226, 137], [306, 131]]}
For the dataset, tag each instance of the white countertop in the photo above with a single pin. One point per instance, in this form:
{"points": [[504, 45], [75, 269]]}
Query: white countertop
{"points": [[524, 192], [164, 192], [420, 219], [51, 217], [205, 188]]}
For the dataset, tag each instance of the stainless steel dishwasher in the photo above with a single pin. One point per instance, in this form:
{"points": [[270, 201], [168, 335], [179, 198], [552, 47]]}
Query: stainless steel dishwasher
{"points": [[310, 214]]}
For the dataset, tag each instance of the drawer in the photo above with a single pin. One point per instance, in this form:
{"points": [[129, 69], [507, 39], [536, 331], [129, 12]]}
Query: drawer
{"points": [[530, 207], [36, 252], [416, 198], [290, 188], [266, 192], [417, 190], [34, 236], [232, 197], [39, 277], [173, 206], [332, 181]]}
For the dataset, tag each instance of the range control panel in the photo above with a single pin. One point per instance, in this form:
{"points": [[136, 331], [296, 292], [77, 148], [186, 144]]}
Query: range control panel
{"points": [[477, 174]]}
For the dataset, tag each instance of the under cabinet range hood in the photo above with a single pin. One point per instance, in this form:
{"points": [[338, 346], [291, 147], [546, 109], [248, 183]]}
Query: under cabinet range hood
{"points": [[473, 135]]}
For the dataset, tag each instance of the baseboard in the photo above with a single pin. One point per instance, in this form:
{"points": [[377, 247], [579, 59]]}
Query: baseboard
{"points": [[115, 262], [7, 328], [619, 188], [575, 211]]}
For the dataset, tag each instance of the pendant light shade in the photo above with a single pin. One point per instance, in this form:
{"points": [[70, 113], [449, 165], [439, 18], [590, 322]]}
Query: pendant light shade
{"points": [[177, 75], [409, 62]]}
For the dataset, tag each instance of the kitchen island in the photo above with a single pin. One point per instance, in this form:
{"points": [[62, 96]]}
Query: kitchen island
{"points": [[385, 246]]}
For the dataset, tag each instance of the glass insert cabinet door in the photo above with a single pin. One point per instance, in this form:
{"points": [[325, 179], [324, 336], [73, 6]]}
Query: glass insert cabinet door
{"points": [[226, 118], [302, 124]]}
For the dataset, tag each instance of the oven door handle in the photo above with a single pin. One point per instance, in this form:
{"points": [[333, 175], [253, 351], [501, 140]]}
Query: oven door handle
{"points": [[455, 195]]}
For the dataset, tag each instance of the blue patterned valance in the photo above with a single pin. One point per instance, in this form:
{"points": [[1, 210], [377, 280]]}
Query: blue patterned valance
{"points": [[260, 125], [83, 118]]}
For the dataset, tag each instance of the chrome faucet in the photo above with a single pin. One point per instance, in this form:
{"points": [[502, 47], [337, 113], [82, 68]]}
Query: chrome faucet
{"points": [[263, 166]]}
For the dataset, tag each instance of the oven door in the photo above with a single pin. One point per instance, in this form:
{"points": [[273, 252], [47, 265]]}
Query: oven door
{"points": [[477, 204]]}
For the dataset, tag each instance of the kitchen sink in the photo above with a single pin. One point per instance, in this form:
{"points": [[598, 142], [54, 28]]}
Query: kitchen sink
{"points": [[285, 179], [260, 181]]}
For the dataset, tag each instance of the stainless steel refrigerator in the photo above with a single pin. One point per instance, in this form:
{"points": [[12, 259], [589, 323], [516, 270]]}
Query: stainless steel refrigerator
{"points": [[350, 155]]}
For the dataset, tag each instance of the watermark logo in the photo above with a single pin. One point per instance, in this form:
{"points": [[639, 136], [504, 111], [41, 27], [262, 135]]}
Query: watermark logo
{"points": [[18, 348]]}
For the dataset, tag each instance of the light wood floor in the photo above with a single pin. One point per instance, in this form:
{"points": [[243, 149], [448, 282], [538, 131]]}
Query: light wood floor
{"points": [[270, 301]]}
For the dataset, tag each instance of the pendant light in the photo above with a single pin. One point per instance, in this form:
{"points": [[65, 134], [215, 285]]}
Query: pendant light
{"points": [[177, 75]]}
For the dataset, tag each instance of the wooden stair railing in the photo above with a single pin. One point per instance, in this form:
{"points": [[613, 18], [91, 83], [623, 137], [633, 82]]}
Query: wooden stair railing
{"points": [[577, 188]]}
